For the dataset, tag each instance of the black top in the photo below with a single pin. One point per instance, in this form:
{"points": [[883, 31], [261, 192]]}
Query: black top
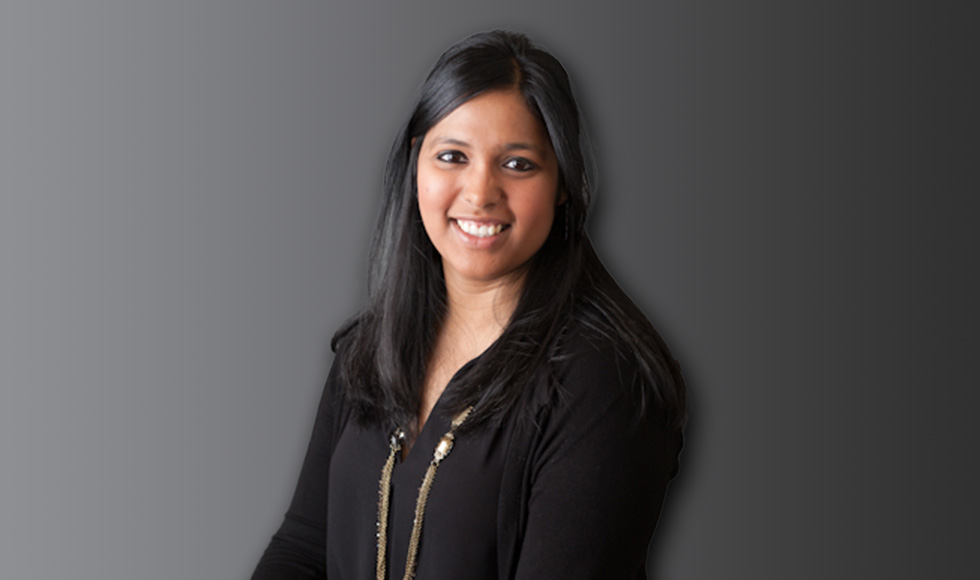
{"points": [[575, 496]]}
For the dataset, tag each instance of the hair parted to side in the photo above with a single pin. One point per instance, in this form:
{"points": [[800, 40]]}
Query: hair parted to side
{"points": [[383, 350]]}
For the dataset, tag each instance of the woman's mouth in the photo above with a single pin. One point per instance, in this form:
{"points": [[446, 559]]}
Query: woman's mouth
{"points": [[480, 230]]}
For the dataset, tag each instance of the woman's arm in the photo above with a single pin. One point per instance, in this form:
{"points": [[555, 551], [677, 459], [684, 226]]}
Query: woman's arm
{"points": [[298, 550], [600, 474]]}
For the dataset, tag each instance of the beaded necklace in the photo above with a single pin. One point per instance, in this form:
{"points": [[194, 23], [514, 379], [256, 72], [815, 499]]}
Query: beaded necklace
{"points": [[384, 494]]}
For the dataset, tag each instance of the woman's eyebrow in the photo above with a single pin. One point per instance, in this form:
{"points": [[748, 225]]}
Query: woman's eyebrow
{"points": [[520, 146], [451, 141]]}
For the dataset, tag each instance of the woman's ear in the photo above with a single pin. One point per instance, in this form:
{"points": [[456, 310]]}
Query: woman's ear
{"points": [[562, 196]]}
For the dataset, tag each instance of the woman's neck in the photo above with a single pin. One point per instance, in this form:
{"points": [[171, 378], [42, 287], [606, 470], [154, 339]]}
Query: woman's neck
{"points": [[480, 310]]}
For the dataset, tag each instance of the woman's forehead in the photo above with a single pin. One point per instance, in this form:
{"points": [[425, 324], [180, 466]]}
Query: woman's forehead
{"points": [[500, 117]]}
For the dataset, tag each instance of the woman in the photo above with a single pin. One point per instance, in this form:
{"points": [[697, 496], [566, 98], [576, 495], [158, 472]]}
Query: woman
{"points": [[500, 409]]}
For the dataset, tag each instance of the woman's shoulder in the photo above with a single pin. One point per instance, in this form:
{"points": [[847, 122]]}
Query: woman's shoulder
{"points": [[593, 365], [614, 351], [343, 335], [584, 343], [601, 398], [597, 367]]}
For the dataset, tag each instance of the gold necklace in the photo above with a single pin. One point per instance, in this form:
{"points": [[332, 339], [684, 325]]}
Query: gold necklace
{"points": [[384, 493]]}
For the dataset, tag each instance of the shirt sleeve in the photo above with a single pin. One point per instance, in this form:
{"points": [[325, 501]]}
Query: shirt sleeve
{"points": [[599, 476], [298, 550]]}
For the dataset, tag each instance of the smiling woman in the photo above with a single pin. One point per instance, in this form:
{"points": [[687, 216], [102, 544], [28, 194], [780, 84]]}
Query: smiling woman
{"points": [[501, 409]]}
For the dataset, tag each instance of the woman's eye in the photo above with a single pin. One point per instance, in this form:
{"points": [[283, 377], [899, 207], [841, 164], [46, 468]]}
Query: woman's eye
{"points": [[519, 164], [451, 157]]}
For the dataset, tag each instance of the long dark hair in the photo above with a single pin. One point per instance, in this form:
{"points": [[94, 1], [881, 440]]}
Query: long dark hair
{"points": [[383, 351]]}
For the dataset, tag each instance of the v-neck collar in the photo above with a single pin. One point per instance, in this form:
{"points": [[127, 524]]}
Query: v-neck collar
{"points": [[437, 416]]}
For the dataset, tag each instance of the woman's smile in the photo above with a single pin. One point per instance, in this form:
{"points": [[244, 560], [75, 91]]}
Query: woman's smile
{"points": [[479, 234], [479, 229]]}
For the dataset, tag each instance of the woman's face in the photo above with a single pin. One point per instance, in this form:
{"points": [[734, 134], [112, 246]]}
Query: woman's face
{"points": [[487, 187]]}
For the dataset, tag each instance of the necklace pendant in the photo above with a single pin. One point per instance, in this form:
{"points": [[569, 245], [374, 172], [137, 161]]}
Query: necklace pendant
{"points": [[444, 447], [396, 440]]}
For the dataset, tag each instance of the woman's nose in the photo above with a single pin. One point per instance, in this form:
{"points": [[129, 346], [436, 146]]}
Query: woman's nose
{"points": [[481, 188]]}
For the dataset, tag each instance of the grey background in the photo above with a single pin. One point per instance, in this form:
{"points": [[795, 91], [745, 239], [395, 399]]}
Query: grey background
{"points": [[186, 195]]}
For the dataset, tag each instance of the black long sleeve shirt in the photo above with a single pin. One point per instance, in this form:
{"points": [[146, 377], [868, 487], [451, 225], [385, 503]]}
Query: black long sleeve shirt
{"points": [[577, 496]]}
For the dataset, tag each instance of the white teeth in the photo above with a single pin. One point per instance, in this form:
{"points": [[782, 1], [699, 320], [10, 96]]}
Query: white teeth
{"points": [[479, 230]]}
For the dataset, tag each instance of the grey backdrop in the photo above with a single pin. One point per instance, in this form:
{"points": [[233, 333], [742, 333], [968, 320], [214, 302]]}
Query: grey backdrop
{"points": [[187, 194]]}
